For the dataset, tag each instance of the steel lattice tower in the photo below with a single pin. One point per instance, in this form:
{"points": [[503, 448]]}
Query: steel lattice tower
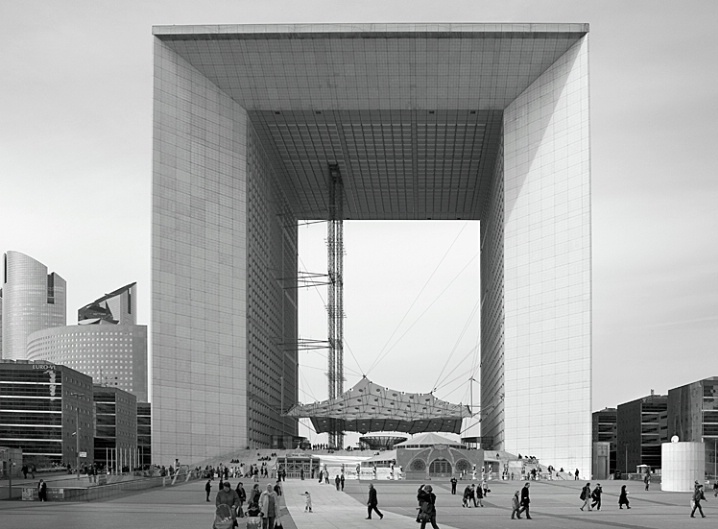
{"points": [[335, 306]]}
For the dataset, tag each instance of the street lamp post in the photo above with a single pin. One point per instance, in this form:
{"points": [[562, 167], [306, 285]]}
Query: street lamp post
{"points": [[77, 433], [625, 446]]}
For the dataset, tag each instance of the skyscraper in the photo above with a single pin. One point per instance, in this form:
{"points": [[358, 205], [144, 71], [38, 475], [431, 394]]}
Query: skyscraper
{"points": [[32, 300]]}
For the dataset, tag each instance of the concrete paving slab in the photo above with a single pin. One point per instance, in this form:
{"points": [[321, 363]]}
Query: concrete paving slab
{"points": [[554, 505]]}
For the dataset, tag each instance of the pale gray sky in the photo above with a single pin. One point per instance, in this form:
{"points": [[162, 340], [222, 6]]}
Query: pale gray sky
{"points": [[75, 175]]}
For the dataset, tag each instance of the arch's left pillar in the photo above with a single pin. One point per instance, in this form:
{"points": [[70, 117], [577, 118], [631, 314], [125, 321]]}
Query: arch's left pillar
{"points": [[199, 274]]}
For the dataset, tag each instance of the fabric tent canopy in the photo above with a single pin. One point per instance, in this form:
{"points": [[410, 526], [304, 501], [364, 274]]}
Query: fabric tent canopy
{"points": [[368, 407]]}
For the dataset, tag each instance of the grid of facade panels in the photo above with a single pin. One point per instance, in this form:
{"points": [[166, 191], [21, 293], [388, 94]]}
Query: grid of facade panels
{"points": [[32, 300], [546, 302], [199, 266], [113, 355], [271, 301], [41, 405], [512, 98]]}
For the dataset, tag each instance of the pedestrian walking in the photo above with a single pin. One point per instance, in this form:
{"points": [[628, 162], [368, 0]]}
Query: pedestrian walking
{"points": [[342, 479], [42, 490], [337, 481], [715, 489], [307, 501], [575, 475], [242, 495], [269, 507], [586, 496], [372, 503], [697, 497], [515, 504], [623, 498], [208, 487], [647, 480], [479, 497], [525, 501], [228, 497], [484, 488], [468, 496], [427, 506], [453, 484], [596, 496]]}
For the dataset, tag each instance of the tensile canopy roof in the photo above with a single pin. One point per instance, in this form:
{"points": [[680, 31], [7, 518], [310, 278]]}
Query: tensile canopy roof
{"points": [[369, 407]]}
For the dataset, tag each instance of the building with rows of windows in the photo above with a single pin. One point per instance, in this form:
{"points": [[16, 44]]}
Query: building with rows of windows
{"points": [[44, 409], [107, 344]]}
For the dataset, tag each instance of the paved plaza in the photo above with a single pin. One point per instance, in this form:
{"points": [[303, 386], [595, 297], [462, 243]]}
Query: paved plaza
{"points": [[554, 505]]}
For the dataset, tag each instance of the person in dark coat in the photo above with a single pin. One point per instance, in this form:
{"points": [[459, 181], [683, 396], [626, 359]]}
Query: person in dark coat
{"points": [[226, 496], [341, 481], [623, 498], [372, 503], [453, 484], [428, 506], [337, 481], [208, 487], [596, 495], [42, 491], [242, 495], [697, 497], [525, 501], [468, 496]]}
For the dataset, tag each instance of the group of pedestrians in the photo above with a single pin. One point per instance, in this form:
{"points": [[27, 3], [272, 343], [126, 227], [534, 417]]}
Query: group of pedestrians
{"points": [[264, 504], [592, 498], [520, 503]]}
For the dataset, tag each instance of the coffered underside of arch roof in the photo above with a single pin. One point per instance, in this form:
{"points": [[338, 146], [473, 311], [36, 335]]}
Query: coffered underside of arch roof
{"points": [[368, 407], [411, 113]]}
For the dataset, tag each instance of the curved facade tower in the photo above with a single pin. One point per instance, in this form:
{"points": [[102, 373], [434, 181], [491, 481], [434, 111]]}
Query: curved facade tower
{"points": [[107, 344], [32, 300], [113, 355]]}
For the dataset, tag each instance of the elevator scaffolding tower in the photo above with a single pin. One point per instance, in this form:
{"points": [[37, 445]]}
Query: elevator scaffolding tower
{"points": [[335, 306]]}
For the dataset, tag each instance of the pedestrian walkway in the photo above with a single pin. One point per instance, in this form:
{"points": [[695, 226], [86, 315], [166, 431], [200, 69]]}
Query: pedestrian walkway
{"points": [[333, 509]]}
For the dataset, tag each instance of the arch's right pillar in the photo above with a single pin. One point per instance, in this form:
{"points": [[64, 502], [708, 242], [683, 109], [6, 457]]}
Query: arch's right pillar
{"points": [[536, 273]]}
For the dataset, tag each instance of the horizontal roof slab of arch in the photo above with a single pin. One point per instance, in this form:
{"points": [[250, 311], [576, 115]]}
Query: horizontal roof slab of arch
{"points": [[412, 114], [372, 66]]}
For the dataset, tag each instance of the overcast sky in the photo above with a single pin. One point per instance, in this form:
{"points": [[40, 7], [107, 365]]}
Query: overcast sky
{"points": [[75, 181]]}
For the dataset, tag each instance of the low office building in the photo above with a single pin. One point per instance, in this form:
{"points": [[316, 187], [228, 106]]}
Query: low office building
{"points": [[44, 406], [640, 427], [116, 428], [144, 432], [604, 431], [693, 417]]}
